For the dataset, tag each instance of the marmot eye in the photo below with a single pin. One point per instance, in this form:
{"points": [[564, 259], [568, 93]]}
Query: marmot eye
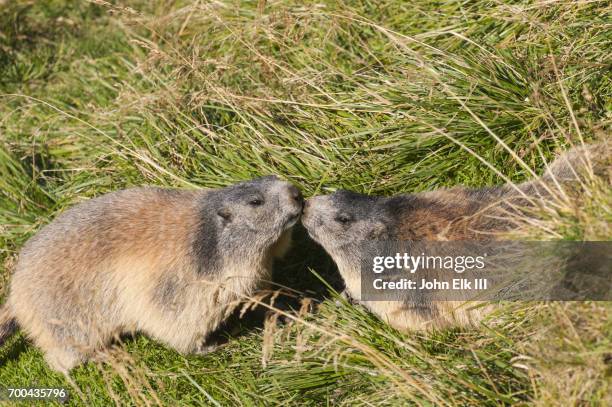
{"points": [[256, 202], [343, 219]]}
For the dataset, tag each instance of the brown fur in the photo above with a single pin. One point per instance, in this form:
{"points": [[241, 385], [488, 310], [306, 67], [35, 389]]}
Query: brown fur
{"points": [[127, 262]]}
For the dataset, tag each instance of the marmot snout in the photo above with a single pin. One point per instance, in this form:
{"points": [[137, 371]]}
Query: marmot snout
{"points": [[172, 264]]}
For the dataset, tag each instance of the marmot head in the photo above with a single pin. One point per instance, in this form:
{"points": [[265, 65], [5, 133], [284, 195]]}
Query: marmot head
{"points": [[246, 218], [344, 218], [263, 207]]}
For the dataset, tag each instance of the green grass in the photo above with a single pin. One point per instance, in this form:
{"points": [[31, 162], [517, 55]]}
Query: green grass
{"points": [[370, 96]]}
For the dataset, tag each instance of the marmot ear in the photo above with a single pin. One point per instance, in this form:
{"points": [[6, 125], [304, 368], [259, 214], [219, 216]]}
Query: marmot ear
{"points": [[225, 215], [378, 231]]}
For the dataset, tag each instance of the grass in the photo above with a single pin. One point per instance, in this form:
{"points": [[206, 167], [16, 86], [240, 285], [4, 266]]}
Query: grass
{"points": [[371, 96]]}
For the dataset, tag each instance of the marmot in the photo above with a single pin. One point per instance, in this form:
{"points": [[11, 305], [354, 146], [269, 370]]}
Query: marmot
{"points": [[340, 222], [170, 263]]}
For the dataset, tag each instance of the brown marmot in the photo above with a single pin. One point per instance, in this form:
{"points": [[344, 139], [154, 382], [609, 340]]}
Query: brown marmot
{"points": [[341, 221], [170, 263]]}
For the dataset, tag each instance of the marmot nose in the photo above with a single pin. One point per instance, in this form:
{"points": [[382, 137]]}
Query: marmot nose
{"points": [[296, 195]]}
